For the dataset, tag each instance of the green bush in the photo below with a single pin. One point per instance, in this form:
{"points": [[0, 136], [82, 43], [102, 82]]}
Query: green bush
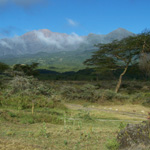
{"points": [[28, 86], [147, 99], [23, 92], [85, 92], [28, 118], [3, 67], [91, 93], [137, 97], [112, 144], [109, 95]]}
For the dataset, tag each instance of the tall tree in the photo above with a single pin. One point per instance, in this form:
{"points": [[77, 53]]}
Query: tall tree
{"points": [[118, 54]]}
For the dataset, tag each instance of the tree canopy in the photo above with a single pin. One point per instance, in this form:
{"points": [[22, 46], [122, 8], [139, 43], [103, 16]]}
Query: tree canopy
{"points": [[27, 69], [120, 54]]}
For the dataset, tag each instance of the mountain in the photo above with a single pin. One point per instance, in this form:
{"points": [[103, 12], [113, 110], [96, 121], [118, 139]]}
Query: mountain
{"points": [[45, 40], [55, 51]]}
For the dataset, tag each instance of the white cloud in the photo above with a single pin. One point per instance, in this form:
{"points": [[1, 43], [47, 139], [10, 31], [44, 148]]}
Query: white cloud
{"points": [[50, 40], [13, 42], [60, 41], [72, 22], [5, 44], [53, 40], [17, 40]]}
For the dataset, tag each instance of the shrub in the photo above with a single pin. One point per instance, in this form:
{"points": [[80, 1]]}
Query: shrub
{"points": [[24, 92], [112, 144], [122, 97], [109, 95], [91, 93], [85, 92], [28, 86], [147, 99]]}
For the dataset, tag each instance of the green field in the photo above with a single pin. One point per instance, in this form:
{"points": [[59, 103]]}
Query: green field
{"points": [[59, 61], [68, 115]]}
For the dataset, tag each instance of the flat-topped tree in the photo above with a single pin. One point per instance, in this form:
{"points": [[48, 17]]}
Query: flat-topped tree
{"points": [[144, 41], [118, 54]]}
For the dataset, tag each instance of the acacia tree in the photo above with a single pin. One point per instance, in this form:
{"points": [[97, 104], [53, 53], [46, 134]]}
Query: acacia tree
{"points": [[118, 54], [144, 41]]}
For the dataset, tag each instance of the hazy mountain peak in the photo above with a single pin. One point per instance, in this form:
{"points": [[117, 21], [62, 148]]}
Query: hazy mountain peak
{"points": [[118, 34], [44, 40], [121, 31], [45, 30]]}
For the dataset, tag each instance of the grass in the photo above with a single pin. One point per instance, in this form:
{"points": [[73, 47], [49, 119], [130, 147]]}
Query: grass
{"points": [[65, 116], [58, 137], [78, 130]]}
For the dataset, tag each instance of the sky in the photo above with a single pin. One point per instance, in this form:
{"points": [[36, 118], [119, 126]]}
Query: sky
{"points": [[73, 16]]}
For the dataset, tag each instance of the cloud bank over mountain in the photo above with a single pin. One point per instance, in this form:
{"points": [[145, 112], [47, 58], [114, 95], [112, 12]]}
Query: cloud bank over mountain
{"points": [[59, 40], [45, 40]]}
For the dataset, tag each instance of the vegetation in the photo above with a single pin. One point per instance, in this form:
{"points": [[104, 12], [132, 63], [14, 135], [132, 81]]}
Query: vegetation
{"points": [[26, 69], [121, 53], [59, 61], [3, 67], [78, 110]]}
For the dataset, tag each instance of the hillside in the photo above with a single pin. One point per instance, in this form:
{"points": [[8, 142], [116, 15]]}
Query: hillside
{"points": [[56, 51]]}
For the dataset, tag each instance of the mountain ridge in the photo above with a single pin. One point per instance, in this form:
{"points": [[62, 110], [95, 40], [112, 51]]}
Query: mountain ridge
{"points": [[44, 40]]}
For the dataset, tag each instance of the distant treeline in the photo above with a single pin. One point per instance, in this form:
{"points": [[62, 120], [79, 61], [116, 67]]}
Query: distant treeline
{"points": [[89, 74]]}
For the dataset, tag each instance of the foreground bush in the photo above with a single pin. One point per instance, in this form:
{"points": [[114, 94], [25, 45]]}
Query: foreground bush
{"points": [[28, 86], [27, 92]]}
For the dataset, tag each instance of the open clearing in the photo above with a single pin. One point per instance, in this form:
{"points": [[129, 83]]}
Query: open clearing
{"points": [[84, 127]]}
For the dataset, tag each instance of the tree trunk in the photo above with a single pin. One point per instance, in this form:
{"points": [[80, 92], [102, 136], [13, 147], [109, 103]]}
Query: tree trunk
{"points": [[120, 78], [32, 108]]}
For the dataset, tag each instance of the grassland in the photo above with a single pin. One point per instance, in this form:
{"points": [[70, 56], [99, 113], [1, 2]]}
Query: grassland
{"points": [[81, 127], [67, 115]]}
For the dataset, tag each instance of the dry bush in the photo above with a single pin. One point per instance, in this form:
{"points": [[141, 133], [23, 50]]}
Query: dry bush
{"points": [[23, 92], [90, 93]]}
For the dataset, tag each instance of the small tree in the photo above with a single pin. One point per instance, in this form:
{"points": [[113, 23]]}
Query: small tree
{"points": [[27, 69], [118, 54], [3, 67]]}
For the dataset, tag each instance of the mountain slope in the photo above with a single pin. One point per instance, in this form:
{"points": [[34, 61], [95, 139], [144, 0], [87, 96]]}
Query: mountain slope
{"points": [[59, 61], [55, 51], [45, 40]]}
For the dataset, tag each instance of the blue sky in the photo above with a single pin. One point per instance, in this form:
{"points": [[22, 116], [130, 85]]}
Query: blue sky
{"points": [[73, 16]]}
